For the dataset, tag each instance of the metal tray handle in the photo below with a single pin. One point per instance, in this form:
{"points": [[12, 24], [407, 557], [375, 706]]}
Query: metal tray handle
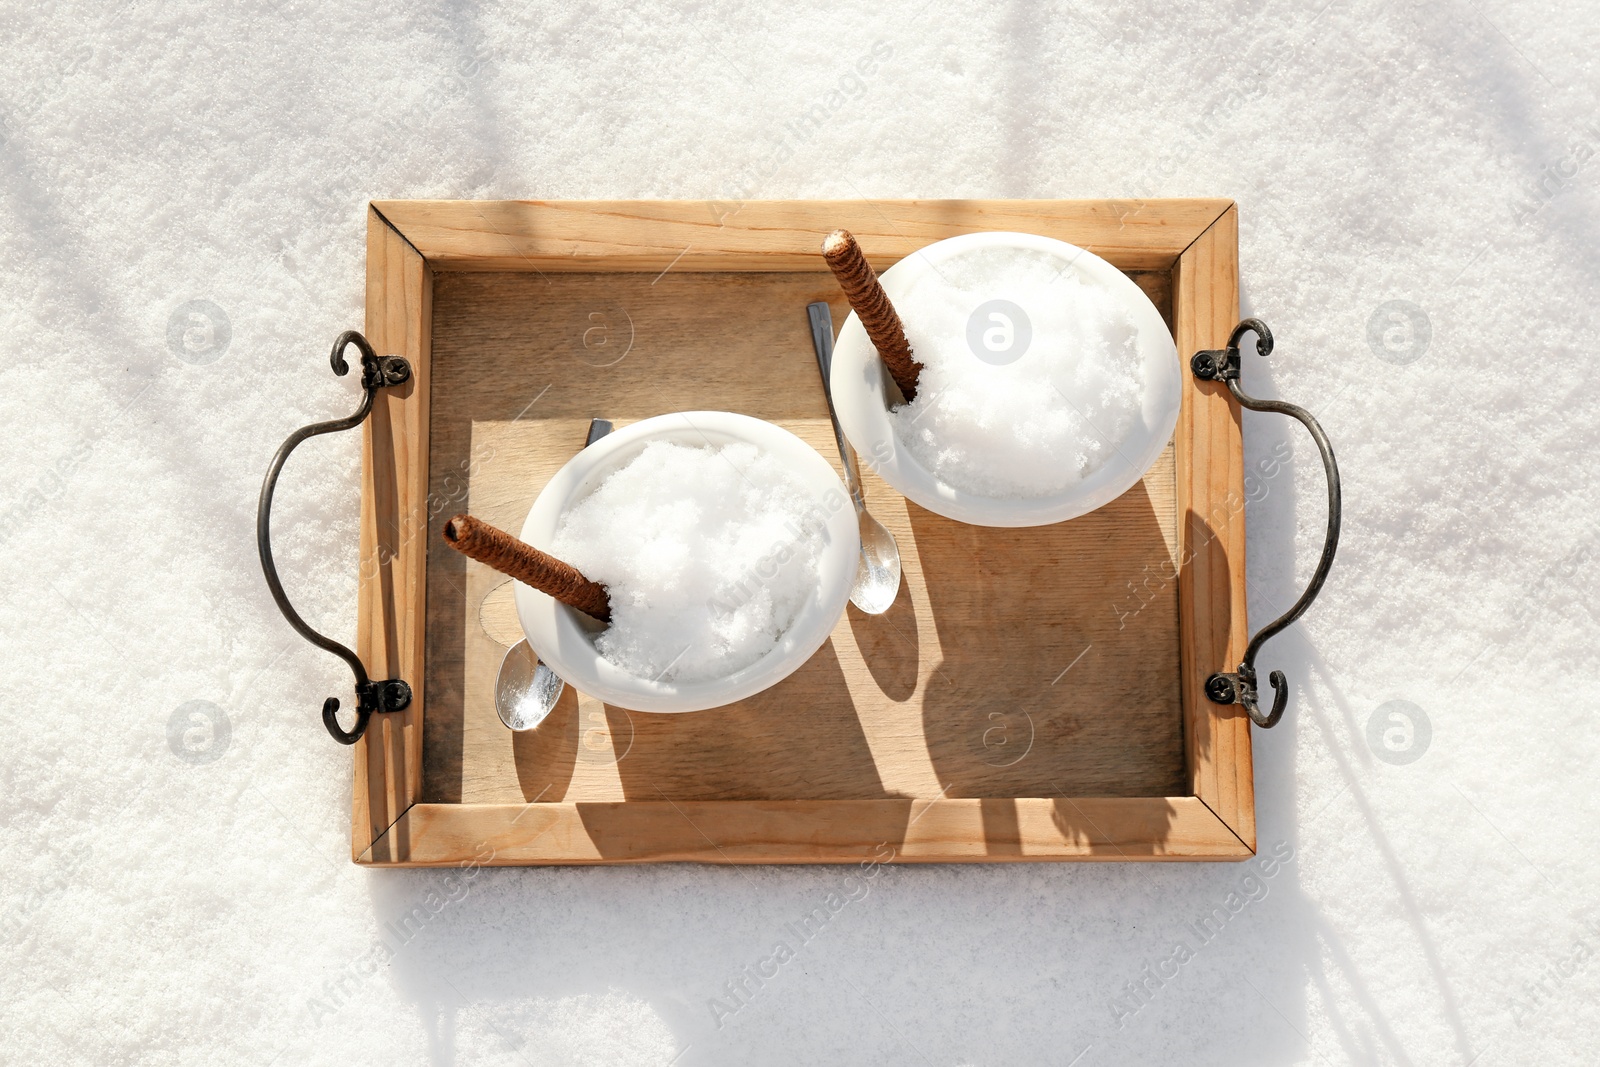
{"points": [[1240, 687], [393, 694]]}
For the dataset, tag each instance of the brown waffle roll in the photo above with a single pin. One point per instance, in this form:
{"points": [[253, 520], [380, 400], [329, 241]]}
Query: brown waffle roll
{"points": [[861, 287], [506, 554]]}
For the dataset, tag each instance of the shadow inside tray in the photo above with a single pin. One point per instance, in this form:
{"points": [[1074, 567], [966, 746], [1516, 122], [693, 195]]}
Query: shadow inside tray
{"points": [[889, 645], [799, 740], [1208, 560], [1059, 672], [547, 755], [875, 831], [444, 682]]}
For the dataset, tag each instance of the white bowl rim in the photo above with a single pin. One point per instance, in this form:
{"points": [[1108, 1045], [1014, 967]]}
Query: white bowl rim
{"points": [[859, 385], [563, 642]]}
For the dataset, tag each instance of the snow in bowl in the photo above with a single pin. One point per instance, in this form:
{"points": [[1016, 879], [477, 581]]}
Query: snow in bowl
{"points": [[1049, 382], [727, 547]]}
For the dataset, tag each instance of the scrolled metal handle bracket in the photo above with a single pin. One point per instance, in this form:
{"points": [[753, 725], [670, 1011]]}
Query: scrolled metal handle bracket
{"points": [[1239, 687], [392, 694]]}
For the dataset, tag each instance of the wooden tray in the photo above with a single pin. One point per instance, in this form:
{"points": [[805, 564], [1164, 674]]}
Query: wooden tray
{"points": [[1033, 695]]}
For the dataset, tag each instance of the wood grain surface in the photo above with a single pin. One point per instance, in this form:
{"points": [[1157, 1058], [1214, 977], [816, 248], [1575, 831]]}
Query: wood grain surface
{"points": [[1211, 506], [693, 235], [900, 830], [394, 492]]}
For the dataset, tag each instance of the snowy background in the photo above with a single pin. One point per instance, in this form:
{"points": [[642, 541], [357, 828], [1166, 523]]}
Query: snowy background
{"points": [[1417, 189]]}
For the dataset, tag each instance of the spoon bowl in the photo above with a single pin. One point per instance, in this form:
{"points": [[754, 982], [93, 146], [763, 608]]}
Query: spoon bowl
{"points": [[878, 573], [525, 690]]}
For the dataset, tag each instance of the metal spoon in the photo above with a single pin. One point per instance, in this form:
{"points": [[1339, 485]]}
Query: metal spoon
{"points": [[878, 572], [526, 690]]}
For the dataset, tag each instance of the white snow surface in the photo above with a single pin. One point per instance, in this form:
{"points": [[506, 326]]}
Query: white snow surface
{"points": [[1395, 166], [707, 554]]}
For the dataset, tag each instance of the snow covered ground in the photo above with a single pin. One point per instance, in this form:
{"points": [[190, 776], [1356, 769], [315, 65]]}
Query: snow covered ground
{"points": [[182, 189]]}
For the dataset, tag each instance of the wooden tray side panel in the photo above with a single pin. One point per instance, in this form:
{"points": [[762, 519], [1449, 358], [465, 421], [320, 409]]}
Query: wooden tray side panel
{"points": [[689, 235], [1211, 578], [394, 510], [801, 831]]}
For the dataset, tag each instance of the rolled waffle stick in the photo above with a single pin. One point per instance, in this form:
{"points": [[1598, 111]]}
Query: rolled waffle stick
{"points": [[865, 293], [506, 554]]}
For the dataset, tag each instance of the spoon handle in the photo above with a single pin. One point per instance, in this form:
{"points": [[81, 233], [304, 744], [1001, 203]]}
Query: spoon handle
{"points": [[822, 341]]}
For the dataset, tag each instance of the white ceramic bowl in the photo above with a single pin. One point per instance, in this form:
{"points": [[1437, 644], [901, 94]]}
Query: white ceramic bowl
{"points": [[862, 390], [564, 638]]}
